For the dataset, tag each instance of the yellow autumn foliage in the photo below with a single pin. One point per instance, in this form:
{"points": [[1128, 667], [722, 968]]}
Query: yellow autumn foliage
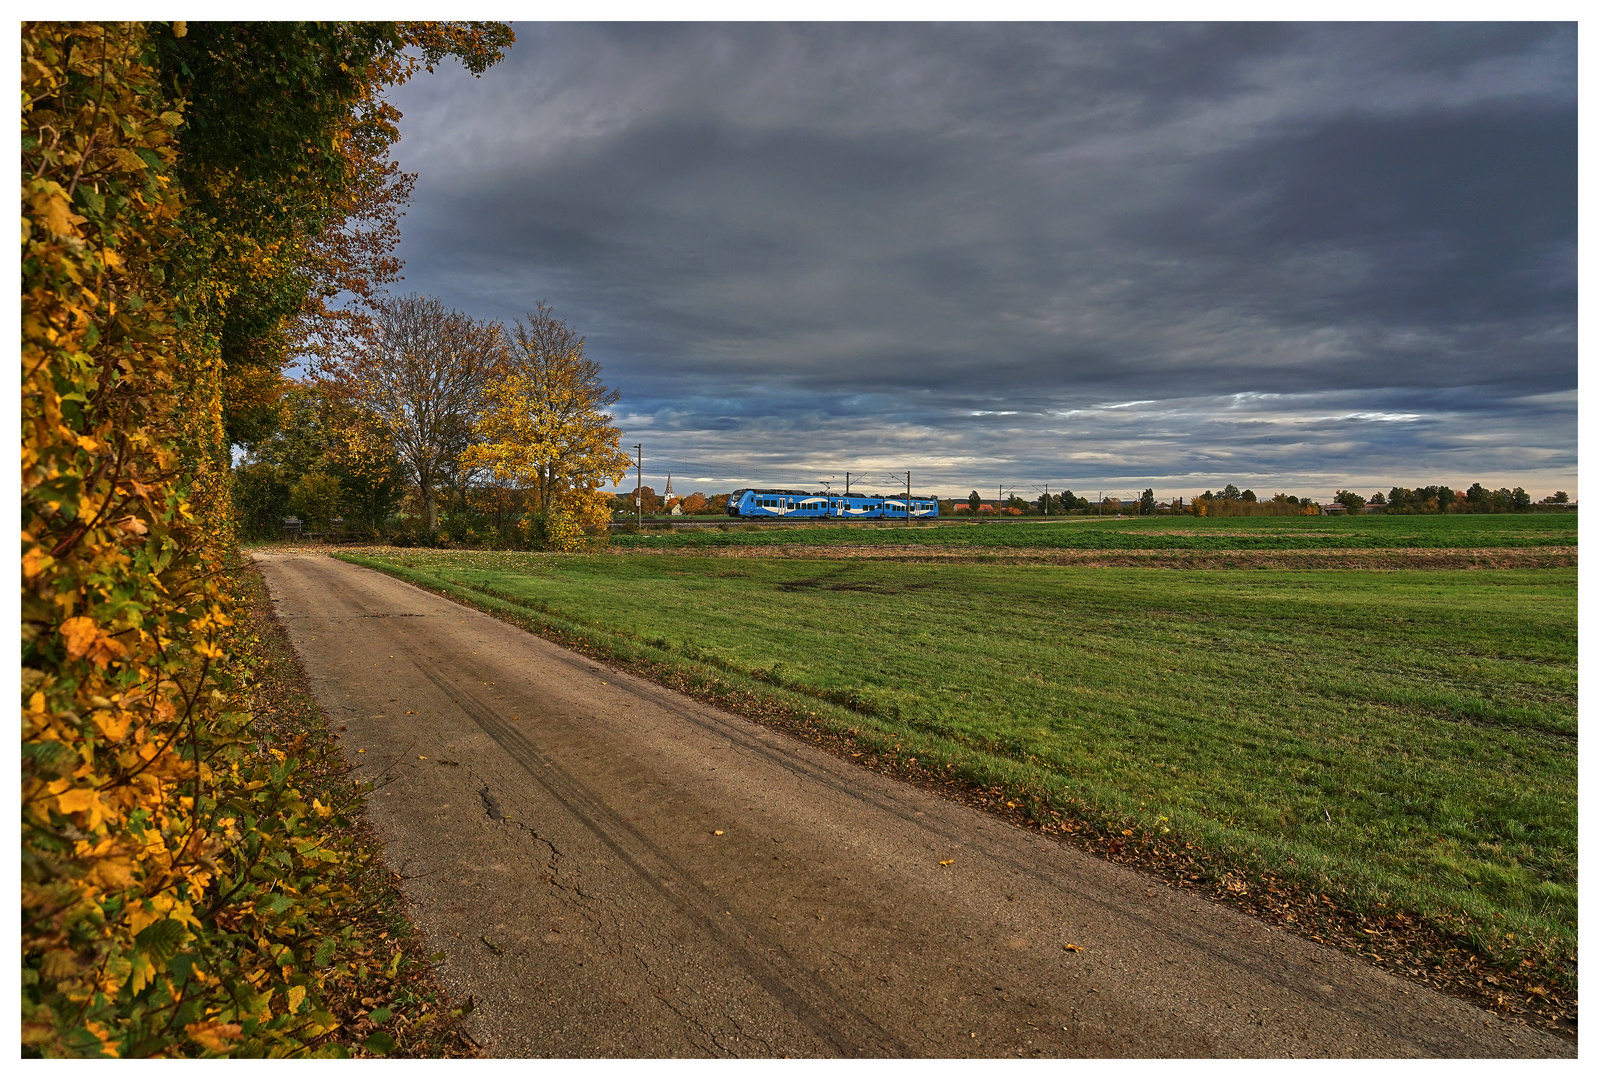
{"points": [[175, 891], [542, 428]]}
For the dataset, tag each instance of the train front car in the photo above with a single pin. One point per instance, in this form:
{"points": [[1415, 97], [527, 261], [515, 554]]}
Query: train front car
{"points": [[776, 503]]}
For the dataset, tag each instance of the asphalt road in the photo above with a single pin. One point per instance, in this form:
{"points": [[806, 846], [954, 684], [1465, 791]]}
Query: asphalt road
{"points": [[615, 870]]}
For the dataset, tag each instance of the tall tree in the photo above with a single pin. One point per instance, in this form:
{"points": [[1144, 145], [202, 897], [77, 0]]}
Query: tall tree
{"points": [[543, 427], [423, 378], [293, 198]]}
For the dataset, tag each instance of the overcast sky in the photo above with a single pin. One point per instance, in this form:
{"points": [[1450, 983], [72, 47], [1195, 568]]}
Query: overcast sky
{"points": [[1099, 256]]}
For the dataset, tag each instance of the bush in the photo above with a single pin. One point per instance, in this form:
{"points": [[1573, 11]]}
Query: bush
{"points": [[315, 499], [260, 500]]}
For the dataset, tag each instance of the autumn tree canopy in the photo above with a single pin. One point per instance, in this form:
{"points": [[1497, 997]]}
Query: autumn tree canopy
{"points": [[543, 427], [424, 378], [177, 182]]}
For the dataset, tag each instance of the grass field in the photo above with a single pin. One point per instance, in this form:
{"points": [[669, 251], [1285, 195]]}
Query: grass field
{"points": [[1398, 737], [1150, 533]]}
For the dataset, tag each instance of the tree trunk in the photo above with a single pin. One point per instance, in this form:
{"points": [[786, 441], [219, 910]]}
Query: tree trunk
{"points": [[430, 505]]}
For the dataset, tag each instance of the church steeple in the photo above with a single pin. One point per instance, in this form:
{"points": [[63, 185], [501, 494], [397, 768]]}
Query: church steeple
{"points": [[668, 493]]}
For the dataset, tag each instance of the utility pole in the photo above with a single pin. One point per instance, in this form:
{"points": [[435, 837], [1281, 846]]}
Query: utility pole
{"points": [[638, 491], [846, 485], [907, 498], [1046, 500]]}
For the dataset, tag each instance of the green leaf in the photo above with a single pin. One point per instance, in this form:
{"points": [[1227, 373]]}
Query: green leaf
{"points": [[162, 940], [380, 1042], [274, 903]]}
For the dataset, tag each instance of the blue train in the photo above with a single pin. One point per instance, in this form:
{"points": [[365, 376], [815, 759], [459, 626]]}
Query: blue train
{"points": [[781, 503]]}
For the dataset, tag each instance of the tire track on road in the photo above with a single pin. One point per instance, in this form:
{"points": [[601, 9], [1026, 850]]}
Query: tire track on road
{"points": [[853, 1033]]}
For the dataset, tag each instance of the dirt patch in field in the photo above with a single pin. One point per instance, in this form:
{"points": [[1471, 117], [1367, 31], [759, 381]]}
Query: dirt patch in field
{"points": [[1257, 559]]}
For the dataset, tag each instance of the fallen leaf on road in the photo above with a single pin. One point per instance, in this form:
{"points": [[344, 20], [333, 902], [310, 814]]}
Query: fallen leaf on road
{"points": [[419, 757], [1069, 947], [945, 862], [410, 712], [718, 832], [360, 751], [493, 947]]}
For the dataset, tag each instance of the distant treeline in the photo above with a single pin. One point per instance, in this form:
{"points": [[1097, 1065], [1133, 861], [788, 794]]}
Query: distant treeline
{"points": [[1443, 499], [1231, 501]]}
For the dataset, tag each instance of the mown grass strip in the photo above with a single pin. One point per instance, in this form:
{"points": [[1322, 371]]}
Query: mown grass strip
{"points": [[1211, 721]]}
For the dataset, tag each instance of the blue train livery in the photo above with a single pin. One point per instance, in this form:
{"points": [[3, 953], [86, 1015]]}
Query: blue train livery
{"points": [[781, 503]]}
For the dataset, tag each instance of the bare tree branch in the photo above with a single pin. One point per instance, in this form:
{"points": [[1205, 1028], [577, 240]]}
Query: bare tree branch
{"points": [[423, 377]]}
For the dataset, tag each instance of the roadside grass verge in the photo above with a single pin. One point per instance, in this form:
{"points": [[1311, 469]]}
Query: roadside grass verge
{"points": [[1142, 534], [1385, 761], [377, 985]]}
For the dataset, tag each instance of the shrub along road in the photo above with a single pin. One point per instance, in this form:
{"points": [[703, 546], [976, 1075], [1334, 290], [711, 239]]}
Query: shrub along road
{"points": [[614, 869]]}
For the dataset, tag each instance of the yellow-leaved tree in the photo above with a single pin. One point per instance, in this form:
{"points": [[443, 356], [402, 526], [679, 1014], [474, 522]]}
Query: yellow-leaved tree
{"points": [[542, 427]]}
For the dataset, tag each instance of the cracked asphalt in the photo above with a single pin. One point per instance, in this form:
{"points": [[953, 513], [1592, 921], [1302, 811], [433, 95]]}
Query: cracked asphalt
{"points": [[614, 870]]}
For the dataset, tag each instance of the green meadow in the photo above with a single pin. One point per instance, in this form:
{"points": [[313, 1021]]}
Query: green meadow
{"points": [[1403, 737]]}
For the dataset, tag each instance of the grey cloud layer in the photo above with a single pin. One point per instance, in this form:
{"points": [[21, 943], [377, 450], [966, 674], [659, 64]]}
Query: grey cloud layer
{"points": [[949, 247]]}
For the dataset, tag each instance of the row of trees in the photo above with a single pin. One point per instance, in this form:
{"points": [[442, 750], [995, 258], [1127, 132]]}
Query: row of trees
{"points": [[193, 197], [500, 425], [1231, 501], [1443, 499]]}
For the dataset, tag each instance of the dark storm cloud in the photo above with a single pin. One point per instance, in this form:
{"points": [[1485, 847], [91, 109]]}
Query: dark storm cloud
{"points": [[1082, 253]]}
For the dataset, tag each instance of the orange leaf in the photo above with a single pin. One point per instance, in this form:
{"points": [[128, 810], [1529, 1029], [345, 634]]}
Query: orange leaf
{"points": [[215, 1036], [80, 633]]}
